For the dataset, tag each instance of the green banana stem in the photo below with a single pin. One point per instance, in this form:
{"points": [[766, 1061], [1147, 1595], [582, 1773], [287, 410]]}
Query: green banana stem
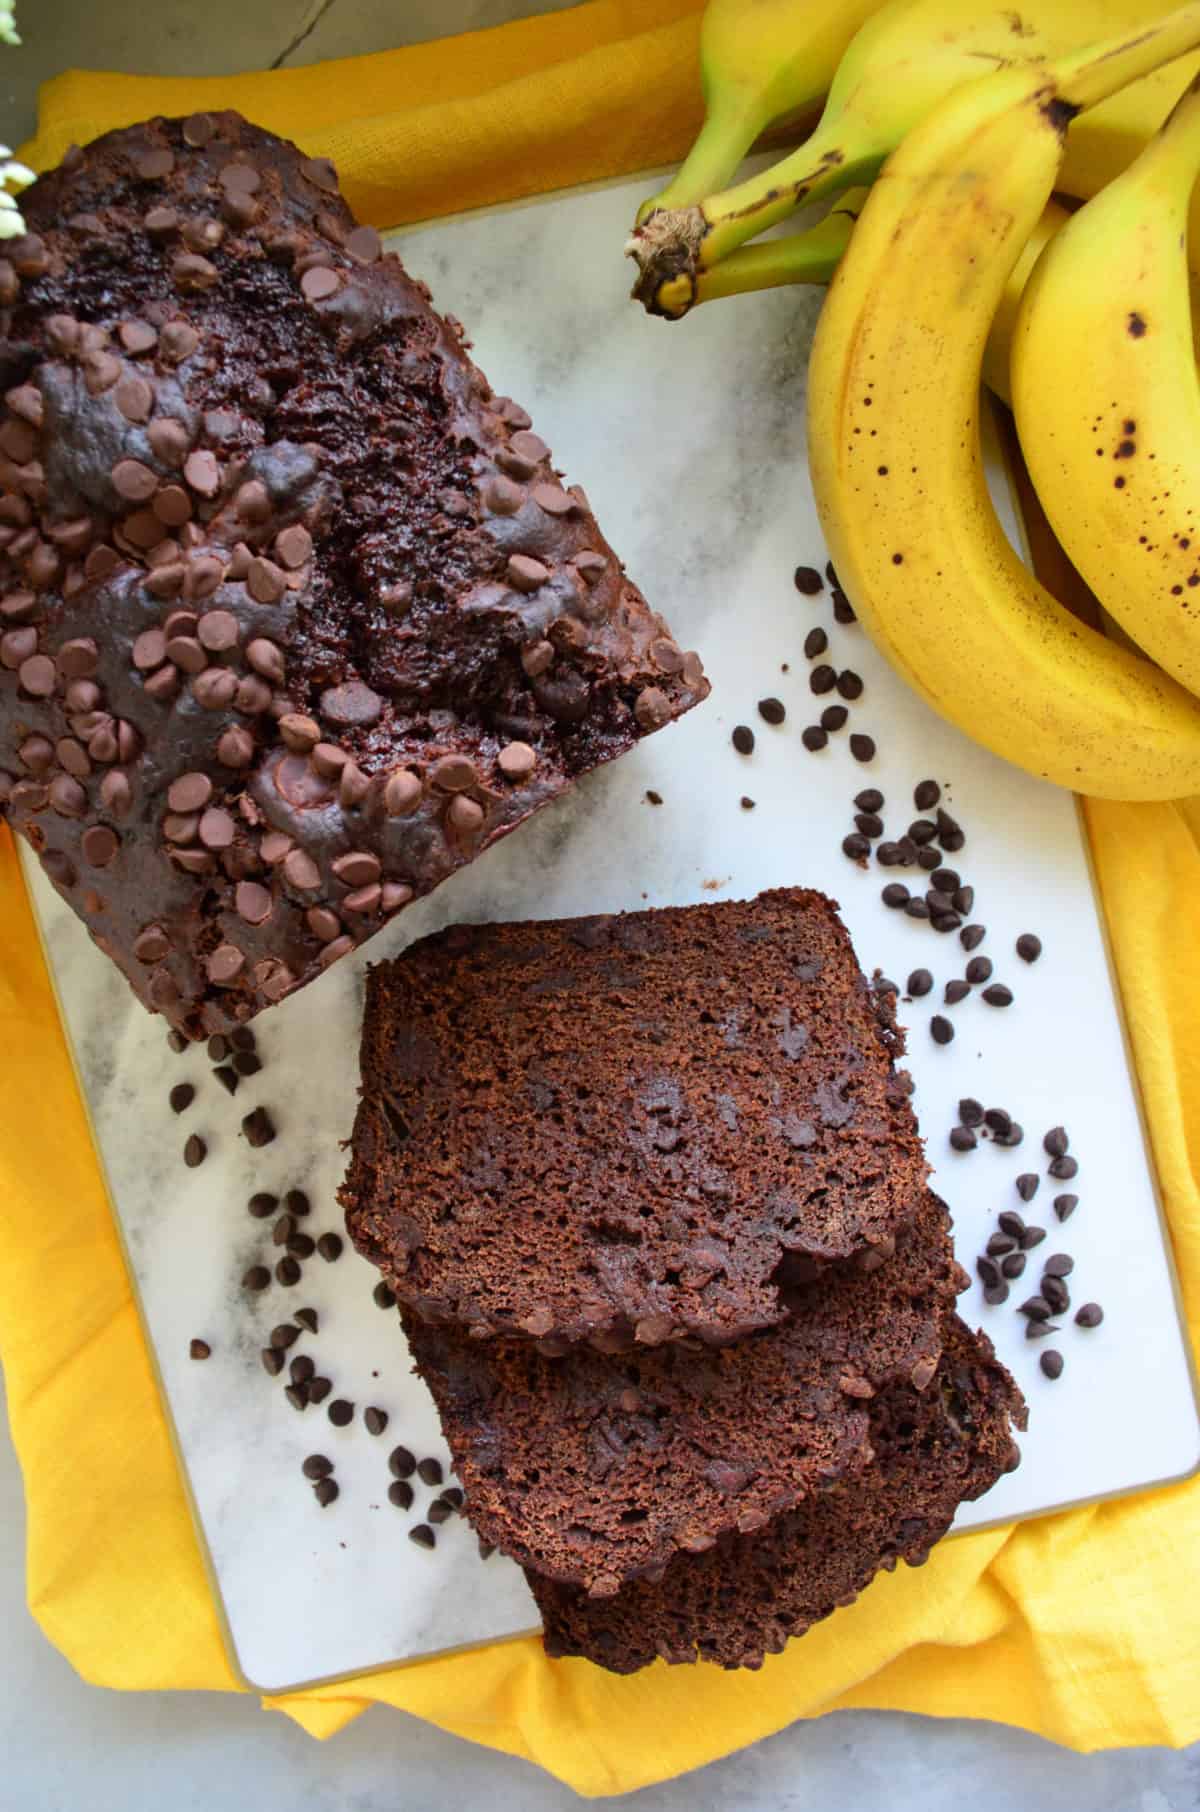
{"points": [[730, 128], [810, 257]]}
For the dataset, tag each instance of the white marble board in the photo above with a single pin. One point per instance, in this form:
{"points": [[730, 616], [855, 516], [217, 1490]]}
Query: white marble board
{"points": [[690, 443]]}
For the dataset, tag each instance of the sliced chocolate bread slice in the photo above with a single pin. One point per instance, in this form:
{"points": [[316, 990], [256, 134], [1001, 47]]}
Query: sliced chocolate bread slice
{"points": [[629, 1129]]}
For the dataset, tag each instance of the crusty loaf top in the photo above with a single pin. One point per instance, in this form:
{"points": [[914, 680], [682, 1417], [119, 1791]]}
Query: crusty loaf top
{"points": [[296, 616]]}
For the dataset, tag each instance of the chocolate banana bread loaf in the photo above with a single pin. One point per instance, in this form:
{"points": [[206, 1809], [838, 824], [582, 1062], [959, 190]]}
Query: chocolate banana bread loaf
{"points": [[747, 1594], [631, 1128], [296, 615], [596, 1468]]}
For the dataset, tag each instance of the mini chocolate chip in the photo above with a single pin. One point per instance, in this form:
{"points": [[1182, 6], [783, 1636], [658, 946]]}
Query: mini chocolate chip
{"points": [[287, 1271], [330, 1246], [258, 1127], [971, 936], [262, 1205], [920, 982], [181, 1097], [256, 1278], [1032, 1236], [895, 894], [955, 991], [1000, 1244], [308, 1319], [771, 710], [979, 969], [998, 995], [962, 1139], [430, 1471], [849, 684], [383, 1297], [400, 1494], [423, 1535], [815, 643], [1027, 1185], [316, 1466], [862, 747], [743, 739], [1089, 1316], [326, 1492], [401, 1463], [996, 1293], [1056, 1142], [834, 718], [869, 800], [272, 1361], [814, 737], [341, 1412], [228, 1078], [926, 794], [941, 1031], [808, 581], [1052, 1362], [195, 1151], [200, 1349], [1064, 1168], [822, 679], [1029, 947], [988, 1270], [970, 1111], [1012, 1222], [375, 1420], [856, 846], [1065, 1206]]}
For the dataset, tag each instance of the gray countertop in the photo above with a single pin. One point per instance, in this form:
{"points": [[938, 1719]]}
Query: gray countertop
{"points": [[67, 1744]]}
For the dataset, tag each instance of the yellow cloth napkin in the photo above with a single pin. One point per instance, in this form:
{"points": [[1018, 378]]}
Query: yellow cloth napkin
{"points": [[1079, 1626]]}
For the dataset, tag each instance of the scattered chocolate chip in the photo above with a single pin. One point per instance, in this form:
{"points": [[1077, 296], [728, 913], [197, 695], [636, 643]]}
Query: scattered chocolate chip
{"points": [[743, 739], [940, 1029], [747, 804], [1056, 1142], [1014, 1264], [1029, 947], [970, 1111], [849, 684], [996, 1293], [1011, 1222], [181, 1097], [383, 1297], [1065, 1206], [330, 1245], [1036, 1308], [316, 1466], [834, 718], [262, 1205], [200, 1349], [822, 679], [814, 738], [895, 894], [301, 1369], [1064, 1168], [920, 982], [971, 936], [301, 1245], [258, 1127], [287, 1271], [340, 1412], [1059, 1264], [400, 1494], [1039, 1330], [988, 1270], [423, 1535], [1056, 1293], [1032, 1236], [1051, 1362], [430, 1471], [228, 1077], [272, 1361], [979, 970], [375, 1420], [808, 581], [256, 1278], [1089, 1316], [862, 747], [771, 710], [1000, 1244], [869, 823], [1012, 1137], [440, 1511], [326, 1492], [195, 1151], [297, 1396], [962, 1139], [318, 1389], [815, 643], [283, 1336], [926, 794], [308, 1319], [1027, 1185], [856, 846], [998, 995], [955, 991]]}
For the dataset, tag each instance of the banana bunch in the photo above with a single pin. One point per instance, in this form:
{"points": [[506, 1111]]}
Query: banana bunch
{"points": [[949, 261]]}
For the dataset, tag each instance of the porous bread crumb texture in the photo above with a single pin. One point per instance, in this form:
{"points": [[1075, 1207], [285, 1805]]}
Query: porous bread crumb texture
{"points": [[748, 1594], [630, 1129], [296, 614], [596, 1468]]}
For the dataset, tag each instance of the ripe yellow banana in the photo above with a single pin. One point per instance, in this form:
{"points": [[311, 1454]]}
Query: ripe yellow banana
{"points": [[1107, 399], [893, 429], [759, 60], [905, 58]]}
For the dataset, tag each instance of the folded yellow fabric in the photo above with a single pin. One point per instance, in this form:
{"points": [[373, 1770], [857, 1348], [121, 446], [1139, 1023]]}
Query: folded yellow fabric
{"points": [[1075, 1626]]}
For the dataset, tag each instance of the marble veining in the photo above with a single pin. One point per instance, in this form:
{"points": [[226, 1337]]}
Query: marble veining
{"points": [[689, 441]]}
